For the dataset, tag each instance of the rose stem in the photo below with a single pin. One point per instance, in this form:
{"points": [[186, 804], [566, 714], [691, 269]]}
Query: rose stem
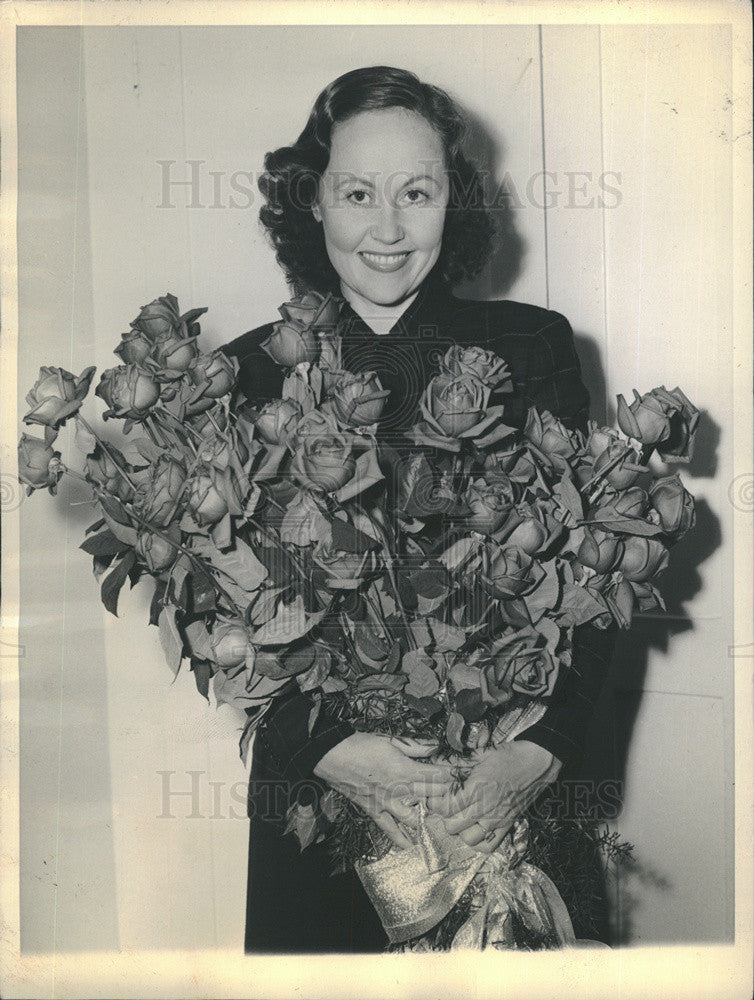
{"points": [[107, 451], [376, 612], [182, 426], [213, 421], [277, 543], [348, 638]]}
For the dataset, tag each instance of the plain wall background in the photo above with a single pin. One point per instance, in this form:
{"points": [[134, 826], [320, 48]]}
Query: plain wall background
{"points": [[644, 276]]}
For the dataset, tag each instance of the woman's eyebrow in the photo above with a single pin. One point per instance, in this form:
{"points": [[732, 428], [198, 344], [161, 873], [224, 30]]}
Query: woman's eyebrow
{"points": [[421, 177], [342, 179]]}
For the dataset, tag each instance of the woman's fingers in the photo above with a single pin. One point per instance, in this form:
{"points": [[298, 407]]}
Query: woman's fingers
{"points": [[464, 819], [491, 841], [473, 836]]}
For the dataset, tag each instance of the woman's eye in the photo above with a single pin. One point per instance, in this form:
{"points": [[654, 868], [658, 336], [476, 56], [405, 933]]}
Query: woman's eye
{"points": [[416, 196], [358, 196]]}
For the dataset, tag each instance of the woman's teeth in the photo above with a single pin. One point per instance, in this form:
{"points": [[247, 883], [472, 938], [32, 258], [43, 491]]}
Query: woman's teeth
{"points": [[384, 262]]}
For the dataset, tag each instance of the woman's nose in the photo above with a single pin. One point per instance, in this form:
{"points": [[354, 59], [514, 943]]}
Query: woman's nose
{"points": [[387, 227]]}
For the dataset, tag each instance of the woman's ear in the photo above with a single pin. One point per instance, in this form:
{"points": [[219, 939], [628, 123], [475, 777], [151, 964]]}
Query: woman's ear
{"points": [[316, 212]]}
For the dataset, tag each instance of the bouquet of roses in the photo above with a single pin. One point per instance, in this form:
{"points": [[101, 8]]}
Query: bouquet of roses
{"points": [[431, 593]]}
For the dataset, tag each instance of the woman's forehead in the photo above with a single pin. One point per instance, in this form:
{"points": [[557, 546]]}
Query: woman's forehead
{"points": [[394, 139]]}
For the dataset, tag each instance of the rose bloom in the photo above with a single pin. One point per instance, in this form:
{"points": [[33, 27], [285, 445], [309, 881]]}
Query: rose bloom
{"points": [[531, 534], [134, 348], [665, 419], [632, 502], [56, 396], [187, 402], [455, 404], [518, 664], [214, 374], [484, 365], [601, 438], [642, 559], [156, 552], [102, 469], [599, 550], [345, 570], [212, 494], [290, 343], [176, 353], [674, 505], [230, 643], [277, 420], [551, 435], [159, 319], [509, 572], [625, 472], [489, 504], [38, 464], [316, 312], [156, 500], [358, 399], [323, 456], [129, 392]]}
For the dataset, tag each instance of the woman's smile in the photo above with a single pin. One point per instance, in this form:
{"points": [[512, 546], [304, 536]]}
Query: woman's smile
{"points": [[384, 261]]}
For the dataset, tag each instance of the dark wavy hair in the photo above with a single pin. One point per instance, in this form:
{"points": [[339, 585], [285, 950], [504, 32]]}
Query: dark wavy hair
{"points": [[290, 180]]}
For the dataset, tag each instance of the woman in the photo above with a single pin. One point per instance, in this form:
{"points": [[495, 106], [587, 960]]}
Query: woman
{"points": [[376, 202]]}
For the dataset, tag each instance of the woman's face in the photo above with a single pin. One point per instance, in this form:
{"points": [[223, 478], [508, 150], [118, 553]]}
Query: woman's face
{"points": [[382, 203]]}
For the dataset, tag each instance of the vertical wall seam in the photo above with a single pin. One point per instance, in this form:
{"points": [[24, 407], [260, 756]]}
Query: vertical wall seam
{"points": [[544, 162]]}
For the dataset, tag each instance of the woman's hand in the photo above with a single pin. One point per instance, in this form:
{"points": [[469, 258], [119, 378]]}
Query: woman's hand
{"points": [[504, 781], [385, 781]]}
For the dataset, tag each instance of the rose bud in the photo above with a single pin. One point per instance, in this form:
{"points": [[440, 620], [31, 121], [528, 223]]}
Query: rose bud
{"points": [[156, 500], [680, 444], [156, 551], [230, 643], [277, 420], [38, 464], [176, 353], [456, 404], [129, 391], [551, 435], [291, 343], [625, 471], [345, 570], [323, 456], [633, 502], [510, 572], [160, 319], [674, 505], [312, 310], [358, 399], [484, 365], [599, 551], [214, 373], [134, 348], [642, 558], [205, 501], [660, 418], [102, 469], [489, 505], [56, 396], [600, 438]]}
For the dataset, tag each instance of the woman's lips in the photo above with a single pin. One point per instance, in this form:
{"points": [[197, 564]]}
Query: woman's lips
{"points": [[384, 261]]}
